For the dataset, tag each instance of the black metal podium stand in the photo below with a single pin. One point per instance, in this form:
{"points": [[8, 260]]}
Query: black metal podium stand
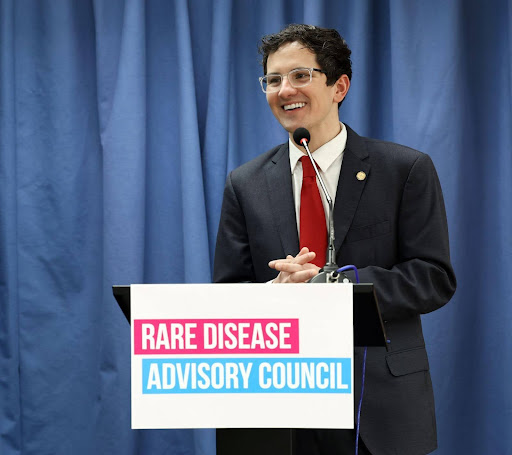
{"points": [[368, 331]]}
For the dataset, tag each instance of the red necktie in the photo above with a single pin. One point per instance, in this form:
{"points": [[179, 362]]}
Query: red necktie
{"points": [[313, 230]]}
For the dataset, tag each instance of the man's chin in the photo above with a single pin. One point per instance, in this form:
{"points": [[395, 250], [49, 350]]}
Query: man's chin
{"points": [[292, 126]]}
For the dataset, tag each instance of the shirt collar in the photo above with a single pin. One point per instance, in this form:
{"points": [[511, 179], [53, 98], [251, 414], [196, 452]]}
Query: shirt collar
{"points": [[325, 155]]}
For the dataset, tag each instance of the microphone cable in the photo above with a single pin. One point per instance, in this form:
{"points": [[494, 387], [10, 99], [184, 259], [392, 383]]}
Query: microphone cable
{"points": [[358, 420]]}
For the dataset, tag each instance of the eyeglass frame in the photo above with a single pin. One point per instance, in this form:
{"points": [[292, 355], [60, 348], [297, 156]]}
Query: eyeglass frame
{"points": [[286, 74]]}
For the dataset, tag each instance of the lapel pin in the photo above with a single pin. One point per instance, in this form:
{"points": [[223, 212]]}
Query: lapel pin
{"points": [[360, 176]]}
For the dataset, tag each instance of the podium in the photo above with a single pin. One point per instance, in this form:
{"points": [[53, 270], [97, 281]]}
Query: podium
{"points": [[368, 330]]}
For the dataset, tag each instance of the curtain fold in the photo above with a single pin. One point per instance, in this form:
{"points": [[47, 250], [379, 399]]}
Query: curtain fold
{"points": [[10, 410], [119, 121], [195, 245]]}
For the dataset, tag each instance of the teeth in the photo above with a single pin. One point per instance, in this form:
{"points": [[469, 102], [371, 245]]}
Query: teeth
{"points": [[293, 106]]}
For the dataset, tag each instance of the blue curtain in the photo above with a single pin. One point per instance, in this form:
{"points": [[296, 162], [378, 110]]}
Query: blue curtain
{"points": [[119, 121]]}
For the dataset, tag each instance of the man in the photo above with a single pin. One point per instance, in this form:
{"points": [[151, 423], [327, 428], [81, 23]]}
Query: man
{"points": [[389, 221]]}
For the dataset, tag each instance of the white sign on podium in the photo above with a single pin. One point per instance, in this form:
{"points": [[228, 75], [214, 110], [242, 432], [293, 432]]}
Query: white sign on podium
{"points": [[242, 356]]}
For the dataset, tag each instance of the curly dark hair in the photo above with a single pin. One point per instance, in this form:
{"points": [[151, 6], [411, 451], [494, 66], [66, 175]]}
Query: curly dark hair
{"points": [[331, 50]]}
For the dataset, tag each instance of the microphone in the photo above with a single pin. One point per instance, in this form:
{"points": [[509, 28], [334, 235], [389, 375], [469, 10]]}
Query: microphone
{"points": [[328, 274], [301, 134]]}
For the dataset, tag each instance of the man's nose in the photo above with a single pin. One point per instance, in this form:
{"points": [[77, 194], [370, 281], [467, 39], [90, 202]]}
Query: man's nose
{"points": [[286, 88]]}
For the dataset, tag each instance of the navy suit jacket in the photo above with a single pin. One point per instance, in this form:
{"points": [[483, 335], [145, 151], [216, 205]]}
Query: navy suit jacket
{"points": [[392, 227]]}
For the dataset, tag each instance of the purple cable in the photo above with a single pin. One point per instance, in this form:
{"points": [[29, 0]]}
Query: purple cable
{"points": [[354, 268], [360, 402], [349, 267]]}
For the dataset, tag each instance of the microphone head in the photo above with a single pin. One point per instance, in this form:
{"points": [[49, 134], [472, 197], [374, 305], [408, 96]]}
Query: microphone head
{"points": [[301, 133]]}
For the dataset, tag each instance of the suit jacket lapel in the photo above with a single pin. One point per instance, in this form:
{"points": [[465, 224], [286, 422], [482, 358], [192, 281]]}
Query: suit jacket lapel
{"points": [[350, 188], [279, 180]]}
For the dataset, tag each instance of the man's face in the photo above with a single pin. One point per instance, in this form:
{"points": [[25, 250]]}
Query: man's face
{"points": [[313, 106]]}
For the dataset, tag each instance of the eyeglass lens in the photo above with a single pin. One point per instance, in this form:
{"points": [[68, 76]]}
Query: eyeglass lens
{"points": [[297, 78]]}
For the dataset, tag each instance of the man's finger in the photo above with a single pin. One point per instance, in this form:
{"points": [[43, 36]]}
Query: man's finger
{"points": [[302, 276], [305, 258], [302, 258], [289, 258], [288, 267]]}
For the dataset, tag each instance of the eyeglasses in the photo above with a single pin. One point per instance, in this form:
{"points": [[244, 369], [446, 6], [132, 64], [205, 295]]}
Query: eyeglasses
{"points": [[299, 77]]}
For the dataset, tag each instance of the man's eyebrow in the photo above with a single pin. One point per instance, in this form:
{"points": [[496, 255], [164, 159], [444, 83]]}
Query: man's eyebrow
{"points": [[293, 69]]}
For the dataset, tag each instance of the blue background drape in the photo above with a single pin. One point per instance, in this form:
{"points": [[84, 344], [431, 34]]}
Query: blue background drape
{"points": [[119, 121]]}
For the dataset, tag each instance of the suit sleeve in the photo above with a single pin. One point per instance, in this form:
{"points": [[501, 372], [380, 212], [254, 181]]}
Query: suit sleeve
{"points": [[423, 279], [233, 262]]}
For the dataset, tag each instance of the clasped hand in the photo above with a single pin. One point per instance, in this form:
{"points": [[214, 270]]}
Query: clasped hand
{"points": [[296, 269]]}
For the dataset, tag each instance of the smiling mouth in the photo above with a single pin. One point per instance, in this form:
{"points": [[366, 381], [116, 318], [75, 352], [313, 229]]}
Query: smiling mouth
{"points": [[290, 107]]}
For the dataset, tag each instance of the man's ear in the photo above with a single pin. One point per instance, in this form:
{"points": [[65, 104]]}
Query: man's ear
{"points": [[341, 85]]}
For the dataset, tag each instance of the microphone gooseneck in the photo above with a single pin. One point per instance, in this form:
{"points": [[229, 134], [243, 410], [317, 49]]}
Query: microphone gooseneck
{"points": [[328, 274]]}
